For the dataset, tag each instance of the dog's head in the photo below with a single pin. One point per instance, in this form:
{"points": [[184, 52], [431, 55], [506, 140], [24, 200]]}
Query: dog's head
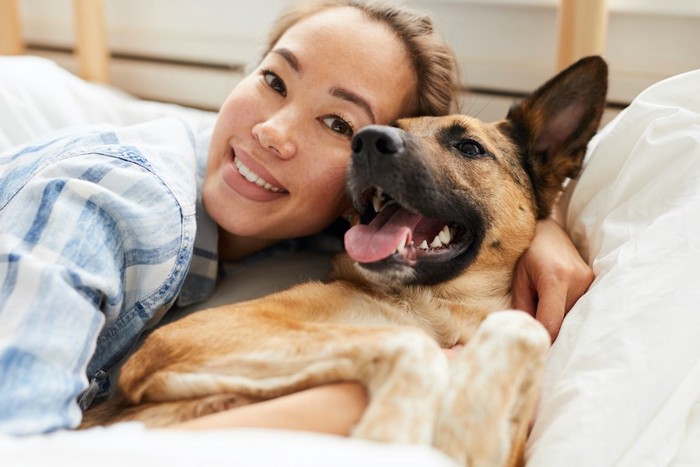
{"points": [[438, 195]]}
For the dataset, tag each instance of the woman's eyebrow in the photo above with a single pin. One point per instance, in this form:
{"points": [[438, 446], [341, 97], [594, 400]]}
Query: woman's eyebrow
{"points": [[355, 99], [289, 57], [341, 93]]}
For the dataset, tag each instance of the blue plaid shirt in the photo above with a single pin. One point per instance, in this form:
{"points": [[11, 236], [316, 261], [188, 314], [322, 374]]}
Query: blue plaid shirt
{"points": [[97, 236]]}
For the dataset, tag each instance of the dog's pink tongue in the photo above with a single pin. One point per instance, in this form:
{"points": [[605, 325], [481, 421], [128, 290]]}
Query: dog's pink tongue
{"points": [[379, 239]]}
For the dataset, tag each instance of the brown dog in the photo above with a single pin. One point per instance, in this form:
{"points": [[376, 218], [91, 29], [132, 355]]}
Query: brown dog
{"points": [[458, 200]]}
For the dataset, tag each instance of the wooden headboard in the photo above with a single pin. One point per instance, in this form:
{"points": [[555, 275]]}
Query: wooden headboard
{"points": [[91, 37], [581, 31]]}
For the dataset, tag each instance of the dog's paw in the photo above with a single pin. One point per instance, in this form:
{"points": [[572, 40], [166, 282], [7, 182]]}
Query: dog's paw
{"points": [[516, 328], [406, 377], [492, 391]]}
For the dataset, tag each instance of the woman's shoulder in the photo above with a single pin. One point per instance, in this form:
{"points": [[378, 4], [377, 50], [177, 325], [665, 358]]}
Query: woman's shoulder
{"points": [[111, 206], [163, 150]]}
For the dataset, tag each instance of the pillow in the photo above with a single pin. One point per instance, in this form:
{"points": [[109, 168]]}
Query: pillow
{"points": [[624, 374], [37, 97]]}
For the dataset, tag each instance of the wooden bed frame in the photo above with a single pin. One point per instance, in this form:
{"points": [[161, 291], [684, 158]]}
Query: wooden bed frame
{"points": [[581, 31], [91, 36]]}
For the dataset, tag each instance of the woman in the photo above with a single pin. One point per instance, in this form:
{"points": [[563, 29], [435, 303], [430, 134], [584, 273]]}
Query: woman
{"points": [[98, 227]]}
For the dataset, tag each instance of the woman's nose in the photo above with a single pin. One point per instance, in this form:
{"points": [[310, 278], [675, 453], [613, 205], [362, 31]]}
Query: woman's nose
{"points": [[276, 136]]}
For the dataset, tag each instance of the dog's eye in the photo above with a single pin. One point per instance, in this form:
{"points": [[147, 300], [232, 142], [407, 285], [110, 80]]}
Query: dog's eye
{"points": [[470, 148]]}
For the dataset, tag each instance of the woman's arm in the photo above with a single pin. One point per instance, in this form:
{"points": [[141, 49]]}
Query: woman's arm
{"points": [[550, 277], [93, 244], [333, 408]]}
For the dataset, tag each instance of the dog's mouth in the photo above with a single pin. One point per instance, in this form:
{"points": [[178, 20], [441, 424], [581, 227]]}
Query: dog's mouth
{"points": [[389, 231]]}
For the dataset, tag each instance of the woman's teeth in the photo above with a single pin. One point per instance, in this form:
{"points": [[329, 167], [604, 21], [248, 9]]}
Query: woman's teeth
{"points": [[252, 177]]}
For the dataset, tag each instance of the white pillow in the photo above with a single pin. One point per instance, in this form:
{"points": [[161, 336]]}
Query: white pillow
{"points": [[624, 374], [37, 97]]}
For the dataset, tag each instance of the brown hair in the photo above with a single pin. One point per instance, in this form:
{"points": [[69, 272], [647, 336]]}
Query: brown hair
{"points": [[433, 61]]}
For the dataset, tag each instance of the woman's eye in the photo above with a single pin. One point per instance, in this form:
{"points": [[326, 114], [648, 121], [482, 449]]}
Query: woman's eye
{"points": [[470, 148], [275, 82], [338, 125]]}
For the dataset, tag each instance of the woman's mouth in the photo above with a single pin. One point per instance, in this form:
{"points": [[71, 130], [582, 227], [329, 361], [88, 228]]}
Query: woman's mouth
{"points": [[252, 177], [249, 179]]}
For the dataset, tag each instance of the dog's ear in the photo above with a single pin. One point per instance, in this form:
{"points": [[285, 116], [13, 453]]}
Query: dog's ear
{"points": [[555, 123]]}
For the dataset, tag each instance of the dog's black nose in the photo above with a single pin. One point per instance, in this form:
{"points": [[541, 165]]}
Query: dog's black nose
{"points": [[377, 139]]}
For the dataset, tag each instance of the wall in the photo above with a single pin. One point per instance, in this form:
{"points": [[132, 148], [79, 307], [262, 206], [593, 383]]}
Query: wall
{"points": [[507, 47]]}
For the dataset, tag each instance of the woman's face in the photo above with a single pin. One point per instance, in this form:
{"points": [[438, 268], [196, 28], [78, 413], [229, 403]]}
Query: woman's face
{"points": [[281, 144]]}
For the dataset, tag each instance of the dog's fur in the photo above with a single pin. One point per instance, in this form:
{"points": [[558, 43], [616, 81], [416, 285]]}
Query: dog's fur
{"points": [[383, 319]]}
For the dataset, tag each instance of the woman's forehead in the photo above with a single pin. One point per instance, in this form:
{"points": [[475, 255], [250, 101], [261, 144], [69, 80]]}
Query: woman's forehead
{"points": [[340, 29], [361, 53]]}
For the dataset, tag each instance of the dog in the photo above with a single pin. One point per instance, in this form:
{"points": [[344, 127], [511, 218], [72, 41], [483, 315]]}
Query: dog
{"points": [[446, 207]]}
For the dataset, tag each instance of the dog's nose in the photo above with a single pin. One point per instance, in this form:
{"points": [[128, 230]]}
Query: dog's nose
{"points": [[377, 139]]}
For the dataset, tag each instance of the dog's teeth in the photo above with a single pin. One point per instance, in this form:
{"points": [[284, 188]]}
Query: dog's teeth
{"points": [[436, 243], [423, 245], [401, 245], [377, 203], [378, 200], [445, 235]]}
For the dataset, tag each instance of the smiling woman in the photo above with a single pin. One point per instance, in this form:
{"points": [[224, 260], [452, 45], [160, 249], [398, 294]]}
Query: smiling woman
{"points": [[290, 123]]}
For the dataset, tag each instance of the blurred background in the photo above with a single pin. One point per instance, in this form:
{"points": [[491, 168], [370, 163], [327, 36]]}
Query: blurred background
{"points": [[193, 52]]}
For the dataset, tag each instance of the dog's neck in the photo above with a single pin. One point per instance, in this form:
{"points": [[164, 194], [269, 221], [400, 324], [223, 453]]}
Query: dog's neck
{"points": [[448, 311]]}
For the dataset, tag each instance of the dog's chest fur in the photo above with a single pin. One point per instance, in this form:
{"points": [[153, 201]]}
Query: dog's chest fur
{"points": [[449, 312]]}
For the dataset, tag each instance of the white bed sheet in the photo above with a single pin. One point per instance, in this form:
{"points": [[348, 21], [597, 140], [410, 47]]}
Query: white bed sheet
{"points": [[129, 444], [623, 380]]}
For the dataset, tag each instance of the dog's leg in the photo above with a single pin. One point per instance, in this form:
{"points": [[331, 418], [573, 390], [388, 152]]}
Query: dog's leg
{"points": [[262, 356], [486, 410], [405, 382]]}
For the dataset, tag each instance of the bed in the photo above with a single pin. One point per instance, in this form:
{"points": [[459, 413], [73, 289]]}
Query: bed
{"points": [[622, 382]]}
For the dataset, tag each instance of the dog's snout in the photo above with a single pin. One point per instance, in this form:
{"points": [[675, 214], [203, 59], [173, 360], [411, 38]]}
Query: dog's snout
{"points": [[377, 139]]}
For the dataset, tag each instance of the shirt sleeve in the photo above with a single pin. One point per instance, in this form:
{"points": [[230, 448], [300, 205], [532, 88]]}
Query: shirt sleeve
{"points": [[91, 247]]}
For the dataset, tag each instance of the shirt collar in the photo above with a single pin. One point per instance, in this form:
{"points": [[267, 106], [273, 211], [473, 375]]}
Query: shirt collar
{"points": [[204, 267]]}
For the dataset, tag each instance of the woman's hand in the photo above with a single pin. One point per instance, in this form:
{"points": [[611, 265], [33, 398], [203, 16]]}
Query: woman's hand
{"points": [[550, 277]]}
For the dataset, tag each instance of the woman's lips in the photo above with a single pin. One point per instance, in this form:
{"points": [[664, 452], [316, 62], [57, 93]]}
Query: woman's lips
{"points": [[253, 183]]}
